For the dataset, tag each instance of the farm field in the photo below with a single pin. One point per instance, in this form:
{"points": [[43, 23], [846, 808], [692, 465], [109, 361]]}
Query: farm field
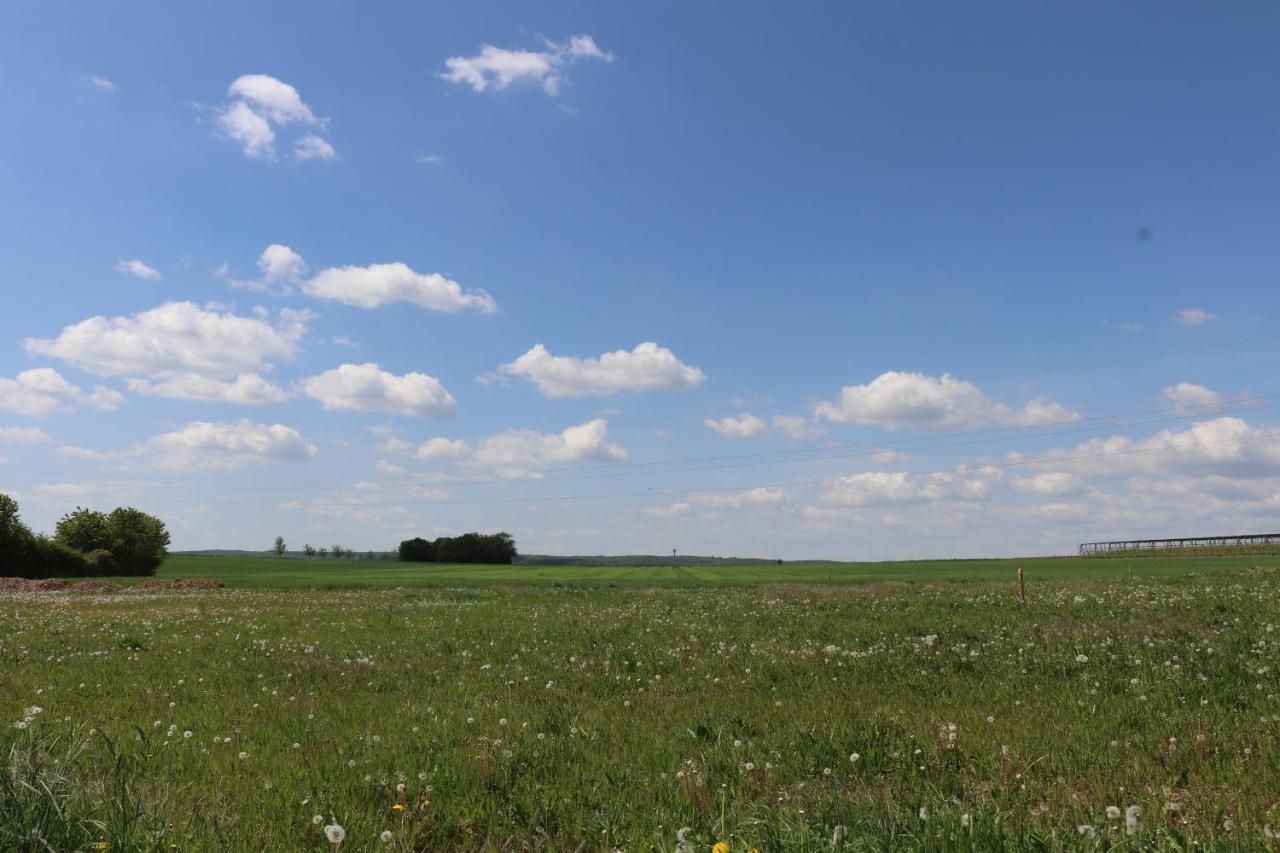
{"points": [[270, 573], [1108, 712]]}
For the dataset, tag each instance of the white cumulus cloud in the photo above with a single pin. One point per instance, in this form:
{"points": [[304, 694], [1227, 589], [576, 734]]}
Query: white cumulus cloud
{"points": [[260, 104], [897, 487], [1048, 483], [1188, 395], [137, 268], [248, 389], [744, 425], [515, 452], [646, 367], [896, 399], [175, 339], [24, 435], [368, 388], [1223, 447], [206, 445], [383, 284], [42, 390], [499, 68]]}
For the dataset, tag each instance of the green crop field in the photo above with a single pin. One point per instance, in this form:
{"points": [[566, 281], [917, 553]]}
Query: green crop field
{"points": [[422, 707], [271, 573]]}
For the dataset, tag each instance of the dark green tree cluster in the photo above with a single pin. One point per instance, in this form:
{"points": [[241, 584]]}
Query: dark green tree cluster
{"points": [[125, 541], [467, 548]]}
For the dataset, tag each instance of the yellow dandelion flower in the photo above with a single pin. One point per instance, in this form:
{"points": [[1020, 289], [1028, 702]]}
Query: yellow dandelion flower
{"points": [[100, 845], [426, 804], [398, 807], [721, 847]]}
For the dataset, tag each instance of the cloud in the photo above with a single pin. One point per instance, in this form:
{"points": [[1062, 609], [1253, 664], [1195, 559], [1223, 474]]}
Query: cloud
{"points": [[515, 451], [745, 425], [368, 388], [1187, 395], [280, 263], [383, 284], [42, 390], [280, 268], [137, 268], [895, 399], [382, 466], [429, 159], [259, 104], [1048, 483], [174, 340], [646, 367], [241, 124], [1225, 447], [204, 445], [102, 84], [759, 496], [247, 389], [24, 435], [312, 147], [1195, 316], [228, 445], [499, 68], [794, 427], [443, 448], [898, 487]]}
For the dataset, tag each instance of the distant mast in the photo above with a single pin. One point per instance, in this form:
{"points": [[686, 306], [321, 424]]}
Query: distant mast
{"points": [[673, 557]]}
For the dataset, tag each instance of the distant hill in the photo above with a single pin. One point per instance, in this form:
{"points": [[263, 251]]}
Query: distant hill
{"points": [[646, 560], [541, 559]]}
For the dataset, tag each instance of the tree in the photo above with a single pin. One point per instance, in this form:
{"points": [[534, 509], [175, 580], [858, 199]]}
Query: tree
{"points": [[139, 541], [85, 530], [417, 550], [337, 551], [467, 548], [278, 547], [308, 551], [323, 552], [16, 541]]}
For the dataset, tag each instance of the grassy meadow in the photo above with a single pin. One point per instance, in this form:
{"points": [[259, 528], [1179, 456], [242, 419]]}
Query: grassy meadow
{"points": [[272, 573], [775, 708]]}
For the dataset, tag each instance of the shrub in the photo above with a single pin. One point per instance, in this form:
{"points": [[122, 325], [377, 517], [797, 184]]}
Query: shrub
{"points": [[139, 541], [100, 561]]}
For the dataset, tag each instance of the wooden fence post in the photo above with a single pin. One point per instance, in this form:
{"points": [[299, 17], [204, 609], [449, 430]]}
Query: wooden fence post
{"points": [[1022, 586]]}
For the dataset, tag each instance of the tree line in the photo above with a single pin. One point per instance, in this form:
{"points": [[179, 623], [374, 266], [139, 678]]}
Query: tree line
{"points": [[125, 541], [467, 548]]}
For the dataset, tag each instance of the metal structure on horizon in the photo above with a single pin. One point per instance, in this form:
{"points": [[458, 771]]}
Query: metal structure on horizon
{"points": [[1088, 549]]}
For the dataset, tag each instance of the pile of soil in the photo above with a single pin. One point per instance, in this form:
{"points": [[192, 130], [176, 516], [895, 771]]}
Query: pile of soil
{"points": [[63, 585], [182, 583], [24, 585]]}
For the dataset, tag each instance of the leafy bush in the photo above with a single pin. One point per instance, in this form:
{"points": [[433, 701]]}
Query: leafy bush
{"points": [[100, 561], [125, 541], [139, 541]]}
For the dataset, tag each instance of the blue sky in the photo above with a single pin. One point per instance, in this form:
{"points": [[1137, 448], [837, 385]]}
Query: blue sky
{"points": [[843, 280]]}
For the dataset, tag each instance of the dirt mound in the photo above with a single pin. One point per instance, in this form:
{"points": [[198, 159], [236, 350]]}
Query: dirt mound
{"points": [[63, 585], [182, 583], [96, 586], [24, 585]]}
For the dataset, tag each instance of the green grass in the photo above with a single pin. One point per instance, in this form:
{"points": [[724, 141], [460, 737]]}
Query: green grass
{"points": [[591, 718], [269, 573]]}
